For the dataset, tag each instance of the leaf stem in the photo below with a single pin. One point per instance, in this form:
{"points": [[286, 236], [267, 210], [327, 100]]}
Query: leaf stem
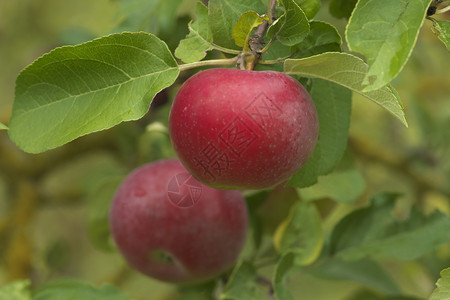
{"points": [[212, 62], [443, 10], [225, 50]]}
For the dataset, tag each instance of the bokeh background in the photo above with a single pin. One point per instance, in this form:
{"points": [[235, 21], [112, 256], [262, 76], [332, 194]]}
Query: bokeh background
{"points": [[47, 201]]}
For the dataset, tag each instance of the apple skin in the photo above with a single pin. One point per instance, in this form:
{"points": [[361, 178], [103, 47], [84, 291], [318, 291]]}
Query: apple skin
{"points": [[174, 232], [239, 129]]}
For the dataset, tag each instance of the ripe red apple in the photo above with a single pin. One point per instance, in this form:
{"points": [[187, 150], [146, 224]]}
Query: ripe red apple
{"points": [[173, 228], [238, 129]]}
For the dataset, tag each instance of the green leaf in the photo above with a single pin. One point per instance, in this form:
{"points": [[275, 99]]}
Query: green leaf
{"points": [[17, 290], [301, 234], [322, 37], [223, 15], [3, 126], [99, 202], [194, 47], [333, 103], [342, 186], [293, 25], [309, 7], [342, 8], [243, 284], [75, 178], [143, 15], [76, 90], [308, 174], [370, 295], [364, 271], [386, 38], [281, 274], [443, 31], [375, 231], [349, 71], [244, 26], [442, 292], [69, 289]]}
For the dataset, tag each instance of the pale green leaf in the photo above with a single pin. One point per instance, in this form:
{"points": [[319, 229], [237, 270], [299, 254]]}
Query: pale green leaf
{"points": [[69, 289], [3, 126], [349, 71], [223, 15], [342, 186], [342, 8], [17, 290], [442, 292], [293, 25], [374, 231], [301, 234], [243, 285], [244, 26], [75, 178], [443, 31], [365, 271], [76, 90], [333, 103], [369, 294], [385, 32], [281, 275], [194, 47], [309, 7]]}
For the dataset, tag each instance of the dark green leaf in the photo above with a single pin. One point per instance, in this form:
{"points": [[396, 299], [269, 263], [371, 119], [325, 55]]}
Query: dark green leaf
{"points": [[364, 271], [442, 292], [342, 8], [281, 273], [443, 30], [99, 201], [375, 231], [386, 38], [194, 46], [308, 174], [76, 90], [322, 37], [346, 70], [243, 284], [223, 15], [17, 290], [334, 104], [309, 7], [68, 289], [244, 26], [301, 234], [293, 25]]}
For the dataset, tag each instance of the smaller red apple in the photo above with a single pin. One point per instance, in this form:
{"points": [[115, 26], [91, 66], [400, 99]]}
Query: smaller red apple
{"points": [[171, 227]]}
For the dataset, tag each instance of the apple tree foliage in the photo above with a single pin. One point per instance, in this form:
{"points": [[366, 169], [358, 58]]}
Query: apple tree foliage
{"points": [[76, 90]]}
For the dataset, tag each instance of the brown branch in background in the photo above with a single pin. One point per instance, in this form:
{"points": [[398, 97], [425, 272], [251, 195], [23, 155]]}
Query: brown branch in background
{"points": [[422, 182]]}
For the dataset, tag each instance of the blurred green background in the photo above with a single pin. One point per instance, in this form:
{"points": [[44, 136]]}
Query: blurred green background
{"points": [[46, 200]]}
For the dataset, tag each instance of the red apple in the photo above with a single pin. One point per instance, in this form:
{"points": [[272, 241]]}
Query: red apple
{"points": [[238, 129], [171, 227]]}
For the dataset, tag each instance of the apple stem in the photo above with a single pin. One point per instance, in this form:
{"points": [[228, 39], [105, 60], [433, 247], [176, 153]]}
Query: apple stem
{"points": [[212, 62], [256, 42]]}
